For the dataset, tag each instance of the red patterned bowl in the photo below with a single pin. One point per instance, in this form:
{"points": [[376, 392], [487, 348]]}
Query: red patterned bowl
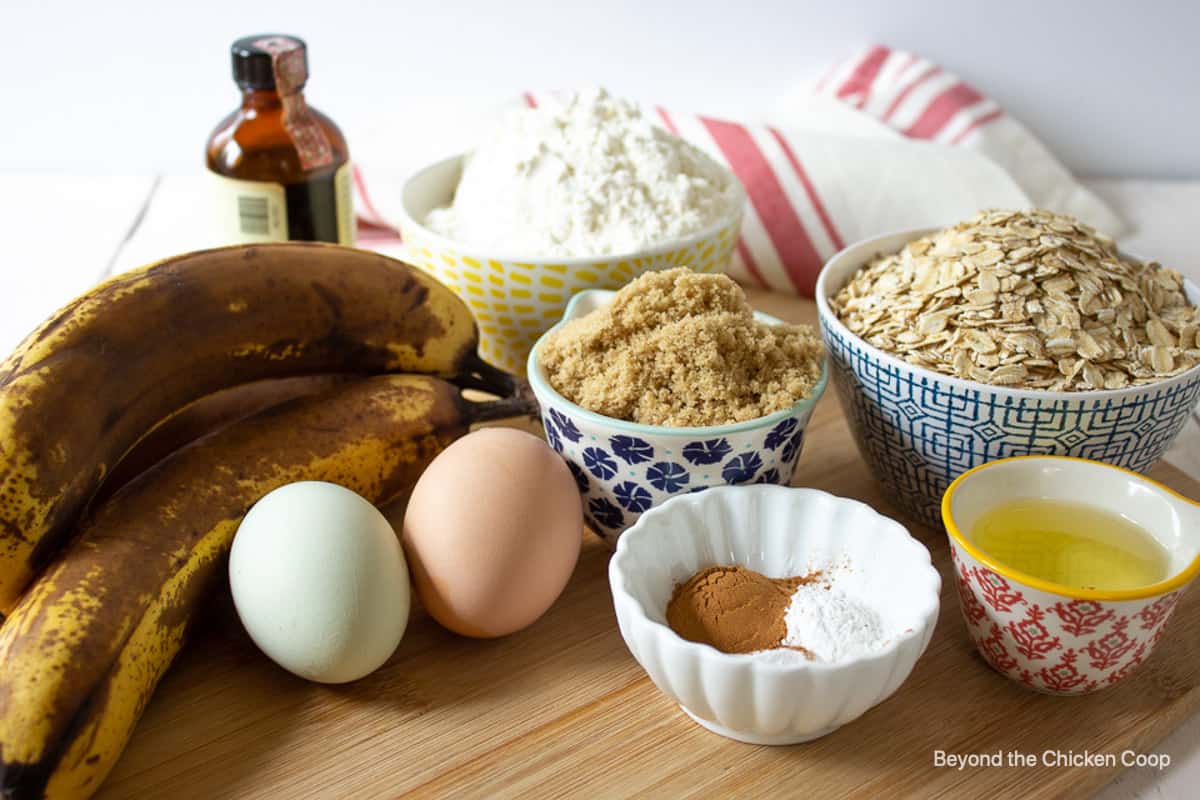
{"points": [[1059, 639]]}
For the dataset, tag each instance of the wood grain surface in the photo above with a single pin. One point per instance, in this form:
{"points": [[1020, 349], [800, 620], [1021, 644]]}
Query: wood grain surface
{"points": [[562, 709]]}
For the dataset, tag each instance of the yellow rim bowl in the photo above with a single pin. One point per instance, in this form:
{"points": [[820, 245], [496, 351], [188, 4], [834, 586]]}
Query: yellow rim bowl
{"points": [[1072, 479]]}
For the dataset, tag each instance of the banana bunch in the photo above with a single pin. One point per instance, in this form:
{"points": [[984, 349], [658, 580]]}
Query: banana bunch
{"points": [[83, 649], [83, 388]]}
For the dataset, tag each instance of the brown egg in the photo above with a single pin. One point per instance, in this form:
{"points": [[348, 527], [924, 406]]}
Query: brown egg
{"points": [[492, 532]]}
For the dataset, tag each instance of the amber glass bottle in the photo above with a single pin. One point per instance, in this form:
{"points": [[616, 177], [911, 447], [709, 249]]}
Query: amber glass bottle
{"points": [[281, 168]]}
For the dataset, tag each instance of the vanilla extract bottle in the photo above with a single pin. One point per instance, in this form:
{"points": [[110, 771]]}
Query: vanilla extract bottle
{"points": [[281, 168]]}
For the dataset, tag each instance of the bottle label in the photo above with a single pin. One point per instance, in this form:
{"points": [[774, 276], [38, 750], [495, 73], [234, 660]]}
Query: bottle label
{"points": [[250, 211], [344, 197], [257, 211], [291, 73]]}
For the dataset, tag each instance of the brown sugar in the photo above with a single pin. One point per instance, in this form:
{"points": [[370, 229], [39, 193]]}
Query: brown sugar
{"points": [[682, 349], [734, 609]]}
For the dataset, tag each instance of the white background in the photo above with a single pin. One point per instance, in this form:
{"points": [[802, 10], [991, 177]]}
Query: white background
{"points": [[131, 86]]}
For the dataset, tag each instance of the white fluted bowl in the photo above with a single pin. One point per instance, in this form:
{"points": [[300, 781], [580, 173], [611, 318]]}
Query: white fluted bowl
{"points": [[779, 532]]}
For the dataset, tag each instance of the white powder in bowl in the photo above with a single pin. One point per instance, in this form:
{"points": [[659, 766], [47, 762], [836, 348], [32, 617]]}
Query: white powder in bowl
{"points": [[587, 177], [830, 624]]}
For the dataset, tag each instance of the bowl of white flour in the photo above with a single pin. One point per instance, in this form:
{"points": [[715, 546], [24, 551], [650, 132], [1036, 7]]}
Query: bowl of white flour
{"points": [[584, 194]]}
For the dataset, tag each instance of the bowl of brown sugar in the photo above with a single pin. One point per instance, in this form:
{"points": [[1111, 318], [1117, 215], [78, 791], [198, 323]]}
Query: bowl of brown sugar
{"points": [[672, 385]]}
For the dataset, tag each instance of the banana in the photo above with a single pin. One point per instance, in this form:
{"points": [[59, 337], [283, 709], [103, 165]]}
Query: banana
{"points": [[85, 386], [205, 416], [86, 646]]}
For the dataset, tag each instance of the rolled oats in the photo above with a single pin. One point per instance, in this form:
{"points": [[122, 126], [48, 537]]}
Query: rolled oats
{"points": [[1029, 299]]}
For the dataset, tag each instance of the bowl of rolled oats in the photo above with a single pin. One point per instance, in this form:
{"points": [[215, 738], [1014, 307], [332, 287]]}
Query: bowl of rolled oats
{"points": [[1012, 333]]}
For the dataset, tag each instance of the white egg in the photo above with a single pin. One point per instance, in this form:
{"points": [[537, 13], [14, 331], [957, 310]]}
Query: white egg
{"points": [[320, 582]]}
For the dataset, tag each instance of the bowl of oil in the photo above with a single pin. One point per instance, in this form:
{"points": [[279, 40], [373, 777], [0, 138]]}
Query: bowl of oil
{"points": [[1068, 569]]}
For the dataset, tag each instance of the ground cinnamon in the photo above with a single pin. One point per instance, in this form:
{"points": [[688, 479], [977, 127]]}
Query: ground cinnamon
{"points": [[734, 609]]}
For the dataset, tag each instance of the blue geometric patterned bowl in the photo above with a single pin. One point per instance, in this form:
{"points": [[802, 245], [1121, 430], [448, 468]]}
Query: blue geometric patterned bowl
{"points": [[918, 430], [623, 468]]}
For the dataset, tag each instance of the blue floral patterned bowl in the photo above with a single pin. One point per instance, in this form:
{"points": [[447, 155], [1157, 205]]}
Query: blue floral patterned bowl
{"points": [[623, 468], [918, 430]]}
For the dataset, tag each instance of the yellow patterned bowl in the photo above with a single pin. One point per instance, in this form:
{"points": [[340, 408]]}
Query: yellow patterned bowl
{"points": [[517, 298]]}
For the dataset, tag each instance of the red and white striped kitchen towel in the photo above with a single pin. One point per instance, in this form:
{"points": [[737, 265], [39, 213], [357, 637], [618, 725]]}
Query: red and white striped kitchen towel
{"points": [[884, 141], [917, 99]]}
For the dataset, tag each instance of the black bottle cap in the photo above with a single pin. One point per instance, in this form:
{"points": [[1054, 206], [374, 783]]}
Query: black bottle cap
{"points": [[253, 59]]}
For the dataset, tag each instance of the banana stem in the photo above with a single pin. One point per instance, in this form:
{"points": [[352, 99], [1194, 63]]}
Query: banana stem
{"points": [[521, 403], [483, 376]]}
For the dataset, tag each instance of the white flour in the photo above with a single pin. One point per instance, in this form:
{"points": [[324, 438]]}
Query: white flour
{"points": [[589, 177]]}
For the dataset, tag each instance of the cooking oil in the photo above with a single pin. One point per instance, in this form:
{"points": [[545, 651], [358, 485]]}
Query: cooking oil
{"points": [[1071, 544]]}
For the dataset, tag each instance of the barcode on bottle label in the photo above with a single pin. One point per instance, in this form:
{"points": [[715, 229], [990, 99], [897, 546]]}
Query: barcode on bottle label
{"points": [[253, 215], [249, 211]]}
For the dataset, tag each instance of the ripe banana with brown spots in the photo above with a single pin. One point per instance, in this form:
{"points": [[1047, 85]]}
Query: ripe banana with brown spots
{"points": [[86, 646], [207, 415], [81, 390]]}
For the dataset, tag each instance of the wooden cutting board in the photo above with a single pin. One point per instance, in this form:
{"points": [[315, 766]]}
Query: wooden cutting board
{"points": [[563, 709]]}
